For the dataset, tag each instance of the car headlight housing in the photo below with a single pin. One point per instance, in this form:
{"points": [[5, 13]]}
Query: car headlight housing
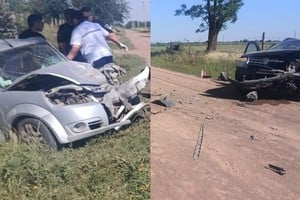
{"points": [[241, 62], [79, 127]]}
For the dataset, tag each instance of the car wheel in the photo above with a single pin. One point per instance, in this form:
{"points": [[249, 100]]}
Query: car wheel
{"points": [[239, 74], [33, 130]]}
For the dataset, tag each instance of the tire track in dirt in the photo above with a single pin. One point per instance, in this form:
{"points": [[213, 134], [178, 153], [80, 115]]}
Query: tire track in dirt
{"points": [[231, 165]]}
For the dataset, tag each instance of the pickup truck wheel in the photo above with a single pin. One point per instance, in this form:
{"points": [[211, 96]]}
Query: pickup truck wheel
{"points": [[239, 74], [31, 130]]}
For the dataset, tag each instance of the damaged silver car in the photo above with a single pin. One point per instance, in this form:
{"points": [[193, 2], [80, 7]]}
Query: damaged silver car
{"points": [[45, 97]]}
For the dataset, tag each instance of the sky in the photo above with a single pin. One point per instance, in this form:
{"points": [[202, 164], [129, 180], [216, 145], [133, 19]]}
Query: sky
{"points": [[279, 19], [139, 10]]}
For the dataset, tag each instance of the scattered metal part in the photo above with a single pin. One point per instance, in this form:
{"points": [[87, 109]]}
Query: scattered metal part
{"points": [[153, 94], [252, 96], [163, 101], [209, 117], [199, 143], [279, 170], [241, 104], [224, 76], [154, 113], [252, 137]]}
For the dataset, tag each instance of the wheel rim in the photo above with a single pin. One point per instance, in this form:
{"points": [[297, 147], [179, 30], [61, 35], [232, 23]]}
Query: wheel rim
{"points": [[30, 133]]}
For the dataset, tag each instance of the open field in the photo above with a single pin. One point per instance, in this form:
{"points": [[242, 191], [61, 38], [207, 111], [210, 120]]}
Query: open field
{"points": [[225, 47], [191, 58]]}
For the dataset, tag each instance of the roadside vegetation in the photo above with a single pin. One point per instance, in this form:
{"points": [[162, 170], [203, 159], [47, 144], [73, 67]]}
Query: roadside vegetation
{"points": [[113, 166], [191, 58]]}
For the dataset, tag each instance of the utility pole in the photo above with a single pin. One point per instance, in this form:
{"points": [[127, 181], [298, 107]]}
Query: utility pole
{"points": [[145, 24], [262, 41]]}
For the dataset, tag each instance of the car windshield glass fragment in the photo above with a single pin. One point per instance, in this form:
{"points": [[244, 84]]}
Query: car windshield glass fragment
{"points": [[287, 44], [20, 61]]}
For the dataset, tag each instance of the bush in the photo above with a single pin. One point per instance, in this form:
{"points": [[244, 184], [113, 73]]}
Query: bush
{"points": [[8, 27]]}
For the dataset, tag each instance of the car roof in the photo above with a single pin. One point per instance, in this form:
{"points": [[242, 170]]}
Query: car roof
{"points": [[290, 39], [6, 44]]}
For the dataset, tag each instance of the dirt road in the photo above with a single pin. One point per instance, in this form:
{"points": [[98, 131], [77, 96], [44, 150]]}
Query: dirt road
{"points": [[240, 141], [141, 42]]}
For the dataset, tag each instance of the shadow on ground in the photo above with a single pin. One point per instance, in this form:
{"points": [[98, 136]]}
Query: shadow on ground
{"points": [[226, 90]]}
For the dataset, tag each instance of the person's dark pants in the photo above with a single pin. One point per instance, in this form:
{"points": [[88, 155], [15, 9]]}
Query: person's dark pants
{"points": [[102, 61]]}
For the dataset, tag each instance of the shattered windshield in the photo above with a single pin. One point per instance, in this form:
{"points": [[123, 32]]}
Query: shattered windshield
{"points": [[287, 44], [19, 61]]}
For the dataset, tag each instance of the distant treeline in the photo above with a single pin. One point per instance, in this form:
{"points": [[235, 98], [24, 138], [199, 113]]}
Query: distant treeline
{"points": [[201, 43], [138, 24]]}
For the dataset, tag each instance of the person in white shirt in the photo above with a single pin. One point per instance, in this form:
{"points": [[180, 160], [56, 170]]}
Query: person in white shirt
{"points": [[90, 39]]}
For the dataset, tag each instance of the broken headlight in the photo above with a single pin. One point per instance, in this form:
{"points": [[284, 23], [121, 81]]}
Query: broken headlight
{"points": [[241, 62]]}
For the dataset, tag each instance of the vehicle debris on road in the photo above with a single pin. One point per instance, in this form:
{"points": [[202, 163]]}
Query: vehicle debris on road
{"points": [[278, 170], [163, 101], [199, 142]]}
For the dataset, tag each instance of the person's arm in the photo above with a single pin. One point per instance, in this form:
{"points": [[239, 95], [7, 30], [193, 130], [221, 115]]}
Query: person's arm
{"points": [[112, 37], [61, 40], [73, 52], [62, 48]]}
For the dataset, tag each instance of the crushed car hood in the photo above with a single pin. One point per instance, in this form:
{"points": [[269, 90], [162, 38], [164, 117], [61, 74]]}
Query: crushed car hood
{"points": [[77, 72]]}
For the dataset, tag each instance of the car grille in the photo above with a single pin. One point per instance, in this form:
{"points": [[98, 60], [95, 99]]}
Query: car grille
{"points": [[95, 124], [256, 61]]}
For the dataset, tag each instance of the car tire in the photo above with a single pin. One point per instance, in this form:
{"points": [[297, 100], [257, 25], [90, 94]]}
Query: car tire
{"points": [[239, 74], [33, 130]]}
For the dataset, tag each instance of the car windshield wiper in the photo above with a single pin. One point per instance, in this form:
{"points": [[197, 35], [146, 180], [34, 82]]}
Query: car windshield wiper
{"points": [[9, 44]]}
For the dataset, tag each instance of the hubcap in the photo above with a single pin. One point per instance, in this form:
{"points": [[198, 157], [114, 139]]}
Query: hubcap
{"points": [[30, 133]]}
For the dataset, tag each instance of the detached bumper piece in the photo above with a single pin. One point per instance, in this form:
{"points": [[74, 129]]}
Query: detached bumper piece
{"points": [[130, 114], [265, 82], [286, 82]]}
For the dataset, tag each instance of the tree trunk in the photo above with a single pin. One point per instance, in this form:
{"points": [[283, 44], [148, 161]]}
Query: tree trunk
{"points": [[212, 41]]}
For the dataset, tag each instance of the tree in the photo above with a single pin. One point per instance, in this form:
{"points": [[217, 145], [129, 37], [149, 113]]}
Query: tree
{"points": [[18, 6], [50, 9], [214, 14], [21, 10], [108, 11], [8, 28]]}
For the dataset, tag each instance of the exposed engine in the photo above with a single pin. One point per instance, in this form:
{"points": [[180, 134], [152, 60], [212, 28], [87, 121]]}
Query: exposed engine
{"points": [[69, 94]]}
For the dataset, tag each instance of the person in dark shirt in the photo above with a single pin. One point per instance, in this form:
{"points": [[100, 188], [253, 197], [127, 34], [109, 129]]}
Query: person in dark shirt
{"points": [[35, 25], [64, 35]]}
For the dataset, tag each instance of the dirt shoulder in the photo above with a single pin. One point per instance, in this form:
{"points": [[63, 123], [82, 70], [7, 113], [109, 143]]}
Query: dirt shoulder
{"points": [[240, 140], [141, 42]]}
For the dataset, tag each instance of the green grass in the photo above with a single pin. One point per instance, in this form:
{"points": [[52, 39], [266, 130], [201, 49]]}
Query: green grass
{"points": [[191, 58], [114, 166], [193, 63], [110, 167], [131, 63]]}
